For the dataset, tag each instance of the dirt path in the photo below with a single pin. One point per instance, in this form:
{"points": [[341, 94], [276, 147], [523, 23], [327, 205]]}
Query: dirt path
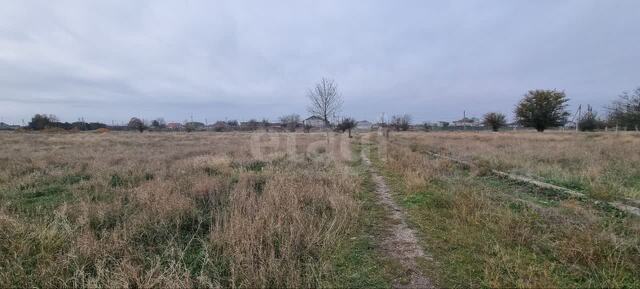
{"points": [[399, 242]]}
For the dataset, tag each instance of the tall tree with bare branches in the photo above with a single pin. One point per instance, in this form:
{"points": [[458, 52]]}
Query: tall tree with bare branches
{"points": [[325, 99]]}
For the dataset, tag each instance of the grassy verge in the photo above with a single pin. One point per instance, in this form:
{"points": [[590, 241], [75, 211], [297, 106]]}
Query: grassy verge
{"points": [[489, 232]]}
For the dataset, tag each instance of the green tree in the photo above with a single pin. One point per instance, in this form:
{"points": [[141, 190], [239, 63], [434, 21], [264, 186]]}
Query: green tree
{"points": [[542, 109], [159, 123], [495, 120], [42, 121]]}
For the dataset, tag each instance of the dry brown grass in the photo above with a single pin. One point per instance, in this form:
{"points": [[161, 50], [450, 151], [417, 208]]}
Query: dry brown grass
{"points": [[604, 165], [485, 231], [171, 210]]}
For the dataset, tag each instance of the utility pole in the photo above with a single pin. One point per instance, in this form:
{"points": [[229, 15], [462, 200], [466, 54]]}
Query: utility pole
{"points": [[464, 120], [578, 119]]}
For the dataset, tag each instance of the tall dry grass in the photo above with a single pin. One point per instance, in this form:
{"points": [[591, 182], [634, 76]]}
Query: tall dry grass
{"points": [[171, 210], [604, 165], [488, 232]]}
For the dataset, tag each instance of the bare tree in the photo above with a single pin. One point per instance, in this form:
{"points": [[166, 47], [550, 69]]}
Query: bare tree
{"points": [[401, 122], [290, 121], [625, 111], [137, 124], [325, 100], [265, 123]]}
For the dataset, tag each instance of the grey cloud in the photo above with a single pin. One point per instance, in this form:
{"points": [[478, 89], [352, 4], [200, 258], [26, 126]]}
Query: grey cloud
{"points": [[241, 59]]}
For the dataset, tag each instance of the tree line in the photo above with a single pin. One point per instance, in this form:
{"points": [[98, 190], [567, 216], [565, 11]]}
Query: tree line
{"points": [[538, 109], [44, 121], [542, 109]]}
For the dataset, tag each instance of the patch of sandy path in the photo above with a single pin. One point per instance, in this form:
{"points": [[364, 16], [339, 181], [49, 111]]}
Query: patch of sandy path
{"points": [[399, 242]]}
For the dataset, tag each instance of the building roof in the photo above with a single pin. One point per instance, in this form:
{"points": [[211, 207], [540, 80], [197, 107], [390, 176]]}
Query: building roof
{"points": [[314, 118]]}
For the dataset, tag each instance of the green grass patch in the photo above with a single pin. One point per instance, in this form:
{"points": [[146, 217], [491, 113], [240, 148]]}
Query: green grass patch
{"points": [[41, 197], [252, 165]]}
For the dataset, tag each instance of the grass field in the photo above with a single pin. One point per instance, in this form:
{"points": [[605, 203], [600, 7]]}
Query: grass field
{"points": [[246, 210], [181, 210], [603, 165], [486, 231]]}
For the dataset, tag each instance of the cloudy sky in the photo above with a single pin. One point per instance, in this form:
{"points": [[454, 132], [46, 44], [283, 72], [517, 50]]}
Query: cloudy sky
{"points": [[114, 59]]}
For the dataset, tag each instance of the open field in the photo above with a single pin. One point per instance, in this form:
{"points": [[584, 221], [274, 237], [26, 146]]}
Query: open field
{"points": [[246, 210], [488, 231], [180, 210], [603, 165]]}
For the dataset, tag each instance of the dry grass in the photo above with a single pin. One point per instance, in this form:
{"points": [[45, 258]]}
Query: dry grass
{"points": [[485, 231], [604, 165], [170, 210]]}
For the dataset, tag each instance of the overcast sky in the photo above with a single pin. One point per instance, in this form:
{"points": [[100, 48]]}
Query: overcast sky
{"points": [[111, 60]]}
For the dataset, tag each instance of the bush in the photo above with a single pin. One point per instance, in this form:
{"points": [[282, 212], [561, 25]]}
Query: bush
{"points": [[401, 122], [495, 120], [347, 124], [290, 122], [590, 121]]}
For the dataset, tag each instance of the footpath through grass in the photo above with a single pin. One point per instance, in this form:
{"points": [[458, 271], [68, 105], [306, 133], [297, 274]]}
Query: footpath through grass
{"points": [[359, 262], [489, 232]]}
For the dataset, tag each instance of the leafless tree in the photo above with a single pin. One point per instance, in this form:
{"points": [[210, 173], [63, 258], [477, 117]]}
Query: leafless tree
{"points": [[265, 123], [137, 124], [290, 121], [401, 122], [325, 99]]}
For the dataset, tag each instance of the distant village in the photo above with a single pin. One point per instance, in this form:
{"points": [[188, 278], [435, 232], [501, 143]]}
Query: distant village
{"points": [[312, 123], [538, 109]]}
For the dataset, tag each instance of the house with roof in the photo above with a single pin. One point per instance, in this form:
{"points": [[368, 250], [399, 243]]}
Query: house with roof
{"points": [[5, 126], [315, 122], [364, 125], [174, 126]]}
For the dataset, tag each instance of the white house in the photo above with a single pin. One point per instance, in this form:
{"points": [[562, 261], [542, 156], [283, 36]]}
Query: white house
{"points": [[364, 125], [315, 122]]}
